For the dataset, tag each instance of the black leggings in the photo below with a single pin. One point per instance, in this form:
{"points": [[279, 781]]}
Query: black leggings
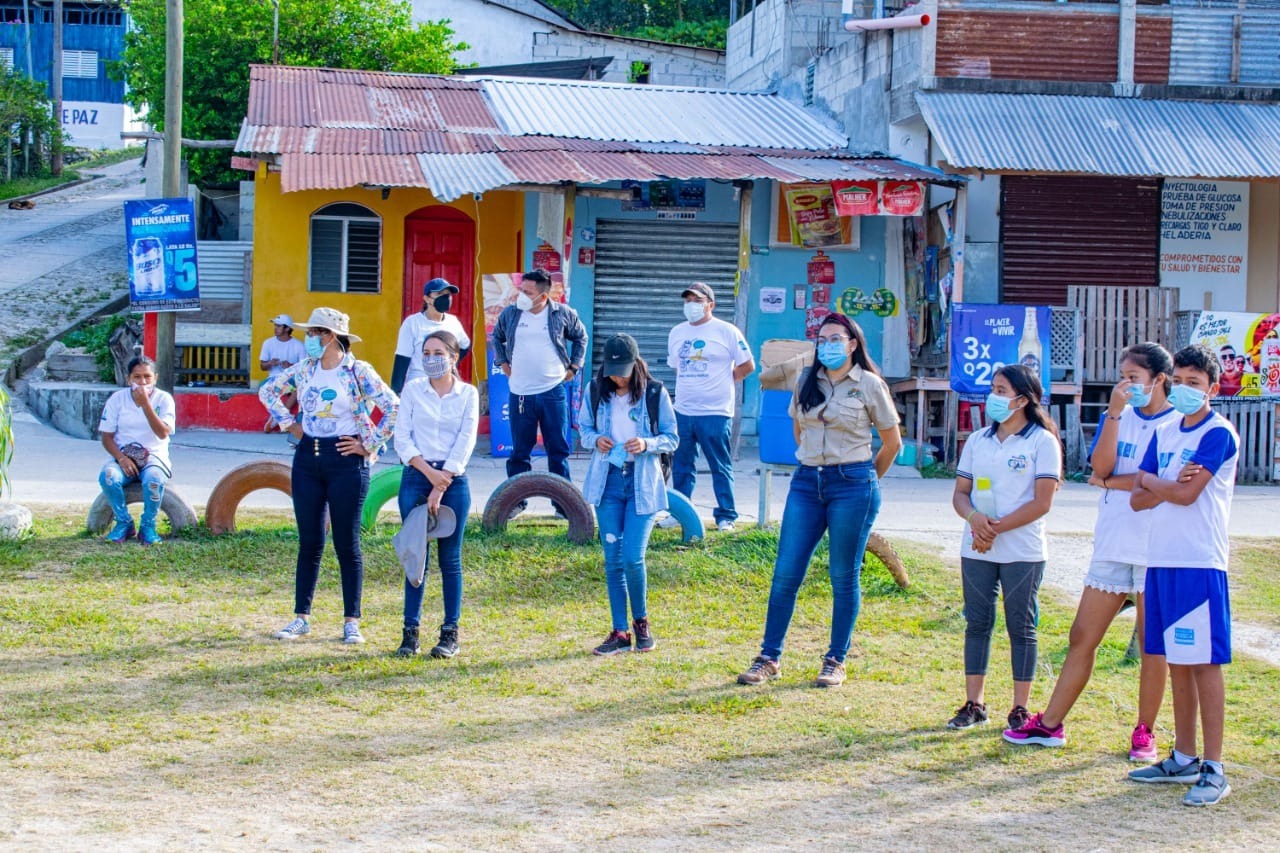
{"points": [[1019, 582]]}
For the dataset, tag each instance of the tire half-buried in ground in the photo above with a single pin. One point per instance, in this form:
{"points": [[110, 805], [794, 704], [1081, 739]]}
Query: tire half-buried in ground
{"points": [[383, 486], [884, 551], [538, 484], [681, 510], [172, 504], [224, 500]]}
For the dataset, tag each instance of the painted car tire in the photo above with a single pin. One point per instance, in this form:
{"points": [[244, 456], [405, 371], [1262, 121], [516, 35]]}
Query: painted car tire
{"points": [[383, 487], [682, 511], [538, 484], [180, 513], [224, 500], [886, 553]]}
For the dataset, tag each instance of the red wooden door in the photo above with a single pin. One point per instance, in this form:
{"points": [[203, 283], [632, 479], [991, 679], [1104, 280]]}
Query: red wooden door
{"points": [[440, 242]]}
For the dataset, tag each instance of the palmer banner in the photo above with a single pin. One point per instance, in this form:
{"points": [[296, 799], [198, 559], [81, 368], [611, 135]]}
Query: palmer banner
{"points": [[1248, 346]]}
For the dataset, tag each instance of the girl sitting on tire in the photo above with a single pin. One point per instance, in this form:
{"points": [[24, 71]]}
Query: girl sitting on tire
{"points": [[435, 437], [624, 481], [135, 428]]}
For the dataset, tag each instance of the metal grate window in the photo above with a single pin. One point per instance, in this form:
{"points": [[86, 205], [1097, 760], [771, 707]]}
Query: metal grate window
{"points": [[80, 63], [346, 249]]}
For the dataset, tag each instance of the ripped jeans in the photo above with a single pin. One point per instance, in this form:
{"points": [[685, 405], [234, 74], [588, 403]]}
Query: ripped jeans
{"points": [[112, 479], [625, 537]]}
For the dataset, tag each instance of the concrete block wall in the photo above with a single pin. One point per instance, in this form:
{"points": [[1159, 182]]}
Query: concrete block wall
{"points": [[669, 65]]}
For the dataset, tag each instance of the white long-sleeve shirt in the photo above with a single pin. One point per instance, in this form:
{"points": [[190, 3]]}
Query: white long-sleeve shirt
{"points": [[438, 428]]}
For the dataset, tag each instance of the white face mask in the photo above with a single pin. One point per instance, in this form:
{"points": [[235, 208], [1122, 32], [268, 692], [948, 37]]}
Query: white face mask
{"points": [[694, 311], [524, 302]]}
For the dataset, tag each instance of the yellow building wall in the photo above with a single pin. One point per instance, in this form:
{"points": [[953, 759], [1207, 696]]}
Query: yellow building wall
{"points": [[281, 229], [1263, 295]]}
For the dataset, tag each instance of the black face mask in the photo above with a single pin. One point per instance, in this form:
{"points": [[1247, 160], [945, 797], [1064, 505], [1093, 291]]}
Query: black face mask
{"points": [[443, 303]]}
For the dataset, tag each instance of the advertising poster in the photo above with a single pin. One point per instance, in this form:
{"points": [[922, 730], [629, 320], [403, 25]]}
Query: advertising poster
{"points": [[987, 337], [161, 238], [814, 221], [857, 198], [500, 291], [1248, 346], [902, 198], [1204, 241]]}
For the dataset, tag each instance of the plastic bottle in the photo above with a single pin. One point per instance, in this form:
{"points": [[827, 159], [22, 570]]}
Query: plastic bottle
{"points": [[983, 499]]}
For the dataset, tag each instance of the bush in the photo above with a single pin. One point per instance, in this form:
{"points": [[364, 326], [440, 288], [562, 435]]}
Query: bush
{"points": [[95, 338]]}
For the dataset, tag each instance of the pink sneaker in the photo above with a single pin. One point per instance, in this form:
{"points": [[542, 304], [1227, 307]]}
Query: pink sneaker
{"points": [[1143, 744], [1035, 732]]}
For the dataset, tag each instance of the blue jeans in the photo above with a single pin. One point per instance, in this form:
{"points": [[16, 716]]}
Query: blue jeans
{"points": [[415, 488], [549, 410], [112, 479], [842, 501], [625, 537], [323, 478], [711, 433]]}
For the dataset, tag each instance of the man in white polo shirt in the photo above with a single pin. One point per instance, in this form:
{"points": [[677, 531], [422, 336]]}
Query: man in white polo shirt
{"points": [[709, 357]]}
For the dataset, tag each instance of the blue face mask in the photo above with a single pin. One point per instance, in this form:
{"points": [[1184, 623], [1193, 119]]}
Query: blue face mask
{"points": [[998, 408], [832, 355], [1139, 396], [314, 347], [1186, 400]]}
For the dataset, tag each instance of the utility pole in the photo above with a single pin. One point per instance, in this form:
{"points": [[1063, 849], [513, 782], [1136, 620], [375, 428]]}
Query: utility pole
{"points": [[165, 321], [55, 144]]}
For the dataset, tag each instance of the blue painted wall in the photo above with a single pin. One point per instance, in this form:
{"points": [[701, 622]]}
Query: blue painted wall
{"points": [[780, 267], [108, 41]]}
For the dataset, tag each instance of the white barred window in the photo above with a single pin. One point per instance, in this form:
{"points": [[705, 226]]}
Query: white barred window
{"points": [[80, 63]]}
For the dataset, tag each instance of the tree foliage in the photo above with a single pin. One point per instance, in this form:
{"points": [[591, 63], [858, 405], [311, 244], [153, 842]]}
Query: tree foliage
{"points": [[223, 37], [701, 23], [25, 109]]}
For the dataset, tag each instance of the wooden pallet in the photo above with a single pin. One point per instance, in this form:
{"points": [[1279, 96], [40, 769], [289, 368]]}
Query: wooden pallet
{"points": [[1255, 421], [1117, 317]]}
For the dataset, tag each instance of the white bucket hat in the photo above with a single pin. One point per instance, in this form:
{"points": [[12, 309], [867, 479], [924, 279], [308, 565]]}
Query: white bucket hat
{"points": [[282, 320], [333, 320]]}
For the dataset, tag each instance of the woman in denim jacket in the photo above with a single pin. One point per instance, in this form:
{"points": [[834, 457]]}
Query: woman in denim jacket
{"points": [[624, 480]]}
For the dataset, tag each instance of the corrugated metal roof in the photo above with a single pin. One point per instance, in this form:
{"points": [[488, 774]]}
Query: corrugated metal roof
{"points": [[596, 110], [1124, 137], [329, 129]]}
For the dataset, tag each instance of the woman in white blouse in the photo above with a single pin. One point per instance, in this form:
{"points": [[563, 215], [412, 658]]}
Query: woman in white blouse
{"points": [[434, 437]]}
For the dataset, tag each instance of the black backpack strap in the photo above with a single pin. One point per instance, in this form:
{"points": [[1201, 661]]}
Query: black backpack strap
{"points": [[652, 393]]}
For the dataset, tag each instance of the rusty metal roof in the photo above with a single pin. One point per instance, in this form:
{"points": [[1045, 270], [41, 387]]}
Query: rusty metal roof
{"points": [[333, 129]]}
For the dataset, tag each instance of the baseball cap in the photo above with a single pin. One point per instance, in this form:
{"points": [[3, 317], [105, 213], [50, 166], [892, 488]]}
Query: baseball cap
{"points": [[282, 320], [438, 284], [620, 354], [702, 289]]}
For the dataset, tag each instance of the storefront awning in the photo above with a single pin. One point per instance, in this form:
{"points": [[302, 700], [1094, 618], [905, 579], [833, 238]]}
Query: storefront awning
{"points": [[1120, 137]]}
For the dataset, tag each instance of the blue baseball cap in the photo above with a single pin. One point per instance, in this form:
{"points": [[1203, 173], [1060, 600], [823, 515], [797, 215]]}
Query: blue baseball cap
{"points": [[436, 285]]}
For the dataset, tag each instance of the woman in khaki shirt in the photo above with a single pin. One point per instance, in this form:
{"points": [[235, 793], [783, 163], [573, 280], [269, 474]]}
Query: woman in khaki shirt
{"points": [[835, 491]]}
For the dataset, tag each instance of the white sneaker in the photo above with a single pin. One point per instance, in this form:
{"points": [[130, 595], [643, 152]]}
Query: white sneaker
{"points": [[669, 522], [294, 629], [725, 526], [351, 633]]}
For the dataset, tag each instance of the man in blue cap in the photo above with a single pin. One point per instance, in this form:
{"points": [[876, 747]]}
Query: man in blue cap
{"points": [[437, 299]]}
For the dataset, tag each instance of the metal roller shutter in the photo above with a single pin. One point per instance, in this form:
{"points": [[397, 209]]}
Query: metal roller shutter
{"points": [[640, 267], [1059, 231]]}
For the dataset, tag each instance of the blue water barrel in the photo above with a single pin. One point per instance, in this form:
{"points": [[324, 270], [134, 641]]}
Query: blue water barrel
{"points": [[777, 435]]}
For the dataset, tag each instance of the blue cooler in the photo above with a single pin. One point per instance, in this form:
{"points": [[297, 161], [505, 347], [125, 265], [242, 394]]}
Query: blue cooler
{"points": [[777, 433]]}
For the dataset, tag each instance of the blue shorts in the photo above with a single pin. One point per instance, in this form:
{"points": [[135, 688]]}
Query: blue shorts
{"points": [[1188, 616]]}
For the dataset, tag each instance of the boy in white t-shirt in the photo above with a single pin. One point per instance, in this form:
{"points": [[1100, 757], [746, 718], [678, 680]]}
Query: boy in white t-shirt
{"points": [[709, 357], [279, 352], [1186, 480]]}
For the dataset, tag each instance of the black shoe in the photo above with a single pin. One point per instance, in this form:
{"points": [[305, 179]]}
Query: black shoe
{"points": [[517, 509], [448, 645], [617, 641], [1018, 717], [409, 645], [644, 637], [970, 714]]}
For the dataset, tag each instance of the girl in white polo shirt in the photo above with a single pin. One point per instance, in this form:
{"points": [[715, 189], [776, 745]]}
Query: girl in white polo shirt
{"points": [[1139, 405], [1005, 484]]}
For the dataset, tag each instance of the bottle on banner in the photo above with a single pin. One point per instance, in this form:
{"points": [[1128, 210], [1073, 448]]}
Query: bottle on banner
{"points": [[1030, 352], [148, 267]]}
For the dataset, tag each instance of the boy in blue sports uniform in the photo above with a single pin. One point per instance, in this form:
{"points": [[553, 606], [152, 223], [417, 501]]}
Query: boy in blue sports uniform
{"points": [[1186, 480]]}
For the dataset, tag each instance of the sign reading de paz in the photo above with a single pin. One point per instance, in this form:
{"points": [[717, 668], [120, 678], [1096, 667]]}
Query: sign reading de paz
{"points": [[161, 239]]}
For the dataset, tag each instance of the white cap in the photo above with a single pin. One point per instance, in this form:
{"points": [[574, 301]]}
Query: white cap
{"points": [[282, 320]]}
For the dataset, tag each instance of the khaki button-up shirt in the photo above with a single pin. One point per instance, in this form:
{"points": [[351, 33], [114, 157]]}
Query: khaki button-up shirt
{"points": [[838, 431]]}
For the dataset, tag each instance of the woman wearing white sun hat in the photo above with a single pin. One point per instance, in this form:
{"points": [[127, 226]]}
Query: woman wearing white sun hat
{"points": [[338, 440]]}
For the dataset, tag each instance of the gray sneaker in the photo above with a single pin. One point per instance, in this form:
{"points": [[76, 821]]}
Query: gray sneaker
{"points": [[351, 633], [1168, 772], [832, 674], [295, 629], [761, 670], [1210, 788]]}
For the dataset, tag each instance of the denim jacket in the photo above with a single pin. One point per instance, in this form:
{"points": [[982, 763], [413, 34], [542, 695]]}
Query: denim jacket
{"points": [[367, 391], [568, 335], [651, 489]]}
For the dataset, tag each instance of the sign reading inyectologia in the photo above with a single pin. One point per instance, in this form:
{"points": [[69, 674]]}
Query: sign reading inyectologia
{"points": [[1204, 241], [161, 238]]}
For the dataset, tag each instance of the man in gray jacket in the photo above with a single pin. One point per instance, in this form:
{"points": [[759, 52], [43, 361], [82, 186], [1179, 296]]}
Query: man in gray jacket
{"points": [[540, 345]]}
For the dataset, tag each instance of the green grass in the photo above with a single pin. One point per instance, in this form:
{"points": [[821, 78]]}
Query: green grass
{"points": [[72, 172], [143, 703], [1255, 584]]}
